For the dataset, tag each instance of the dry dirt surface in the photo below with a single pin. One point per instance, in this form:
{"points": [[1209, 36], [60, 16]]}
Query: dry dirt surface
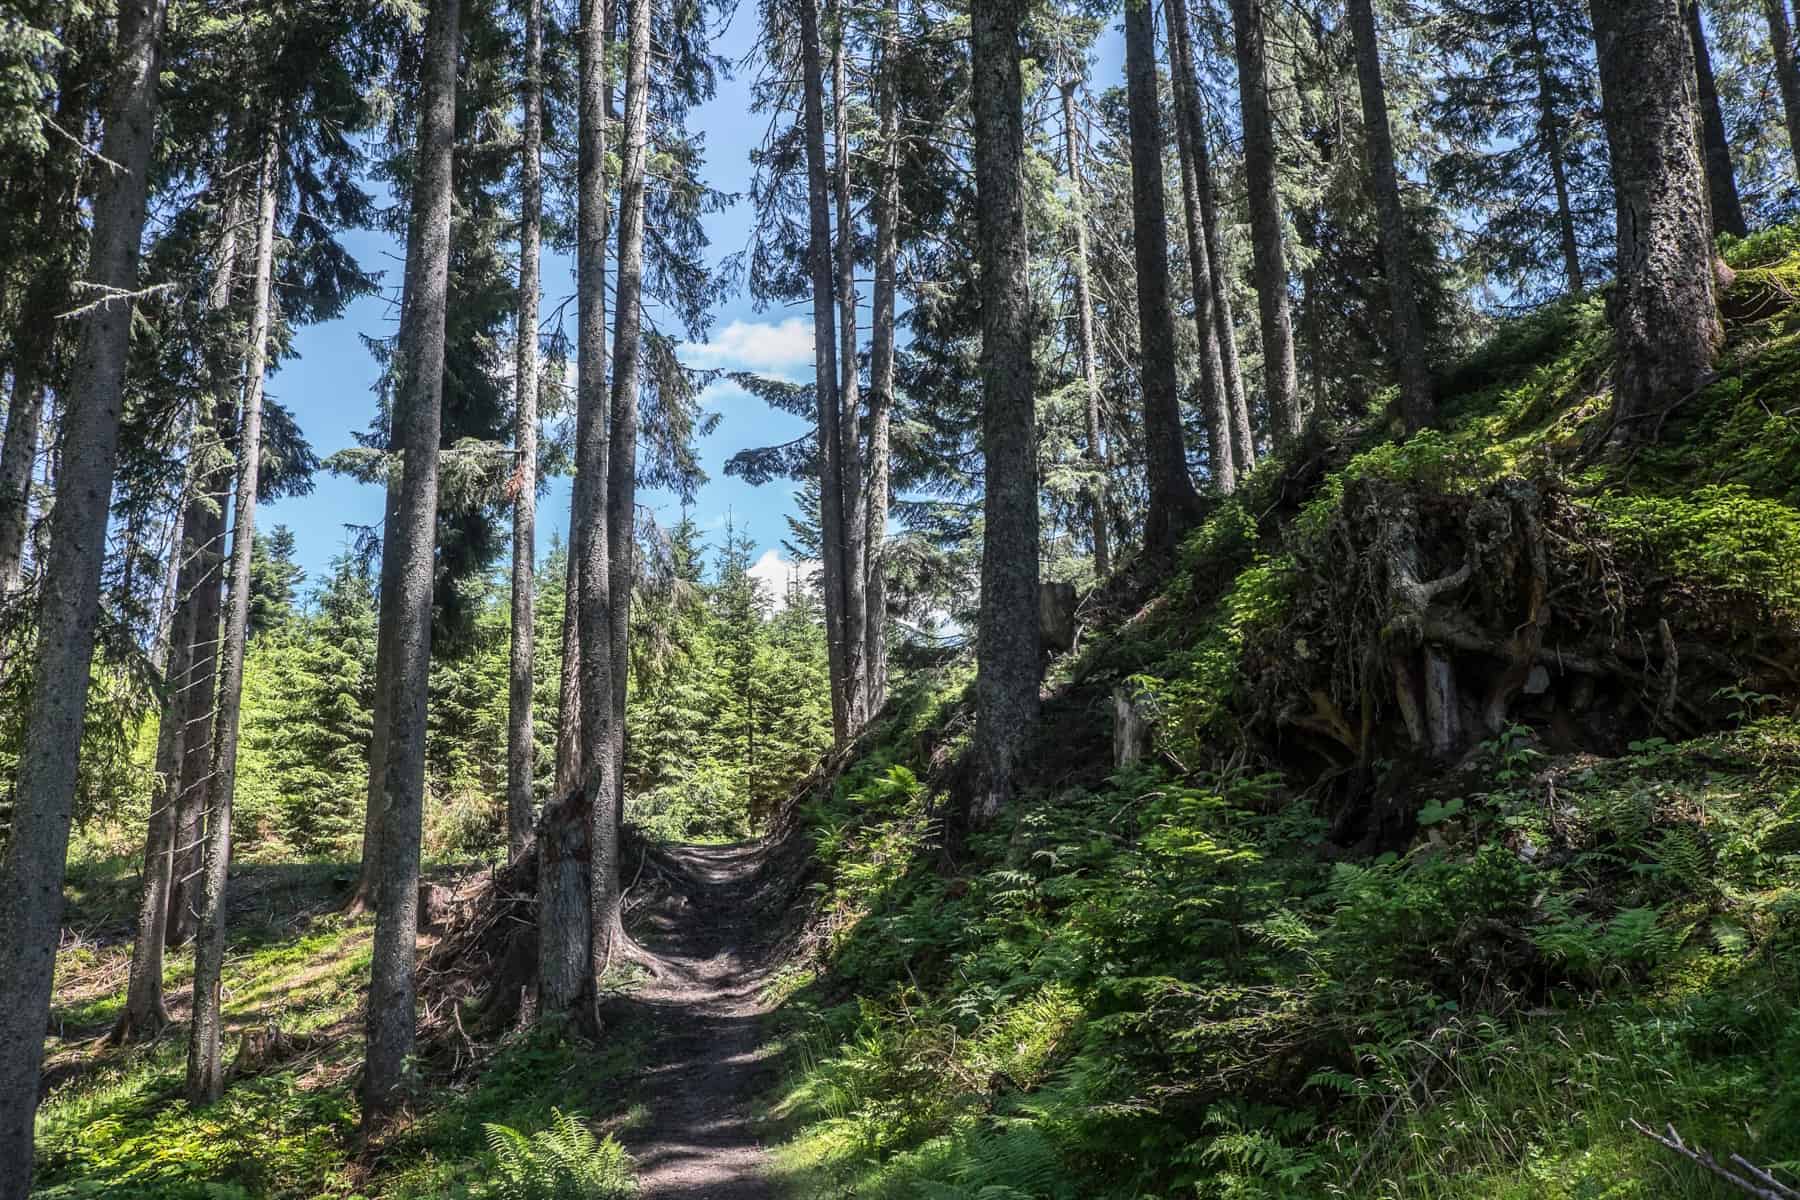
{"points": [[707, 1061]]}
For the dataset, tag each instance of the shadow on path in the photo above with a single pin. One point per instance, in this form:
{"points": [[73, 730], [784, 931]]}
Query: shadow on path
{"points": [[707, 1061]]}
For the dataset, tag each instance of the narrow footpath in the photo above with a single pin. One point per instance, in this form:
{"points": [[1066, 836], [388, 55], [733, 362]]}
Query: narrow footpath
{"points": [[707, 1061]]}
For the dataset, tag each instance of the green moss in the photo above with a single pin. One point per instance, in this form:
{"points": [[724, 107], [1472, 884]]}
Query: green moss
{"points": [[1720, 535]]}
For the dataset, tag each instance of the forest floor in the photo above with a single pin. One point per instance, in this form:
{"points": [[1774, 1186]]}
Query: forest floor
{"points": [[706, 1061]]}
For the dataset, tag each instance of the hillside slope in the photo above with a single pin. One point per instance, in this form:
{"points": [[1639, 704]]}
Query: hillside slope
{"points": [[1468, 832]]}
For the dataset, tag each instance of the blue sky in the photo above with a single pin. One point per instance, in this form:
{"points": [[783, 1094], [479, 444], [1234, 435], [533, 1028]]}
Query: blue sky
{"points": [[328, 386]]}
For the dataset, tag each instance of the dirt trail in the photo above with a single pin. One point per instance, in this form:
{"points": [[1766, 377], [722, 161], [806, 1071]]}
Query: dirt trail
{"points": [[706, 1059]]}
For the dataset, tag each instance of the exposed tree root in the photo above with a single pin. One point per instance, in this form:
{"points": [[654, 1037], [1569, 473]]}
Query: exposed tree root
{"points": [[1424, 624]]}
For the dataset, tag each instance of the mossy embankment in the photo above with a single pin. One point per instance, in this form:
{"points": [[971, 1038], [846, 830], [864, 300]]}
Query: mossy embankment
{"points": [[1468, 833]]}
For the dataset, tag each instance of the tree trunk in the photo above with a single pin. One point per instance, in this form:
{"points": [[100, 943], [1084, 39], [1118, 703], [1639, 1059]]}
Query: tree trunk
{"points": [[205, 1065], [568, 705], [418, 421], [1280, 378], [1174, 505], [1787, 73], [825, 368], [1550, 121], [621, 501], [381, 709], [520, 751], [198, 696], [1665, 317], [47, 295], [565, 893], [1189, 130], [856, 498], [881, 363], [1418, 406], [31, 900], [24, 413], [145, 1014], [1721, 183], [1243, 441], [1007, 649], [1099, 505]]}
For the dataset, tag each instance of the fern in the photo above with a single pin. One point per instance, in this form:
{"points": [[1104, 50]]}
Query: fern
{"points": [[563, 1162]]}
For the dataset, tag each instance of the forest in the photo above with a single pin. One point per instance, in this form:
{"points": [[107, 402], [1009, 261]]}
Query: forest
{"points": [[979, 599]]}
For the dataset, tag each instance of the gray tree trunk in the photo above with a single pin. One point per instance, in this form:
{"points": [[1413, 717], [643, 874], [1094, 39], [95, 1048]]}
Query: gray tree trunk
{"points": [[145, 1015], [381, 709], [1787, 72], [520, 750], [1099, 505], [1281, 383], [1721, 182], [1243, 441], [825, 368], [1551, 122], [1174, 505], [1007, 647], [568, 706], [35, 329], [205, 1065], [418, 420], [31, 899], [607, 786], [1665, 316], [856, 498], [197, 698], [1189, 130], [565, 896], [1418, 405], [881, 361], [24, 414]]}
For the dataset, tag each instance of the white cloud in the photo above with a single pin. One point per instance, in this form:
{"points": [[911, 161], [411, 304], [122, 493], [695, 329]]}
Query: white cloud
{"points": [[783, 348], [776, 573]]}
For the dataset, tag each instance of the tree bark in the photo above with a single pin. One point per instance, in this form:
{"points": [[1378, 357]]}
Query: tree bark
{"points": [[1099, 503], [1721, 183], [1787, 72], [145, 1015], [381, 709], [205, 1065], [825, 367], [1418, 406], [1174, 505], [1007, 647], [1280, 378], [1550, 122], [881, 363], [520, 750], [24, 414], [34, 338], [201, 691], [608, 780], [856, 500], [568, 705], [1665, 316], [418, 420], [565, 844], [1243, 441], [31, 900], [1189, 129]]}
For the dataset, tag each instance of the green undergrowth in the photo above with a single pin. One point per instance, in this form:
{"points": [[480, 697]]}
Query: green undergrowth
{"points": [[1168, 980], [116, 1125]]}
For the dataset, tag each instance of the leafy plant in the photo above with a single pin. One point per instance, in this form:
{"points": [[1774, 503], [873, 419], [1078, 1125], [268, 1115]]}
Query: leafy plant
{"points": [[564, 1161]]}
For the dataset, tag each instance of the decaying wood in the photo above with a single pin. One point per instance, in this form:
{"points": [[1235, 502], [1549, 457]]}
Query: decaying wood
{"points": [[1131, 728], [1748, 1177]]}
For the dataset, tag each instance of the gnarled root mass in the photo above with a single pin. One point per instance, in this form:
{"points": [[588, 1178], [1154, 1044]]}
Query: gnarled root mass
{"points": [[480, 979], [1424, 624]]}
